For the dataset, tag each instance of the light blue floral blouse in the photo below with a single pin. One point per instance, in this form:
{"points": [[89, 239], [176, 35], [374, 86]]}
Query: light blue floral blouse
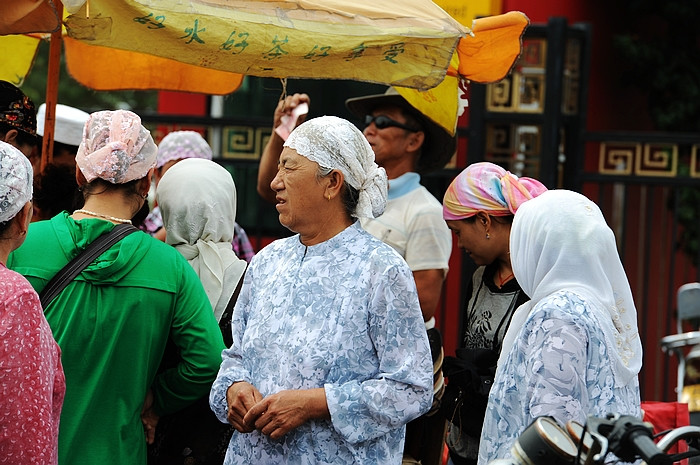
{"points": [[342, 315], [558, 366]]}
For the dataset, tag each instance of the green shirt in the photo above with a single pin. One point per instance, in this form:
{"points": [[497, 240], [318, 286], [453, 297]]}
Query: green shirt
{"points": [[112, 324]]}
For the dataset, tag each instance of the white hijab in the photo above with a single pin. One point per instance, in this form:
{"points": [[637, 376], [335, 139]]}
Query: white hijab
{"points": [[198, 200], [560, 241], [335, 143]]}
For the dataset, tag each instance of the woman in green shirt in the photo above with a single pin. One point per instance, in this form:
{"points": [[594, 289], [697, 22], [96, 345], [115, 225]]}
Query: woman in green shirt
{"points": [[113, 320]]}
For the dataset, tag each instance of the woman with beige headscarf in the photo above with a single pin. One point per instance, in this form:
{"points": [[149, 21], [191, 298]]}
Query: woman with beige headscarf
{"points": [[197, 198], [113, 320]]}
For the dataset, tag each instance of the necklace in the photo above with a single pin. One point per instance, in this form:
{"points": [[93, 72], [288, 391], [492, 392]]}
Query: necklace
{"points": [[504, 280], [100, 215]]}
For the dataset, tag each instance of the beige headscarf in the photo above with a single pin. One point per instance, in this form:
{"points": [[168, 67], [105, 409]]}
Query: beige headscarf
{"points": [[560, 241], [198, 200]]}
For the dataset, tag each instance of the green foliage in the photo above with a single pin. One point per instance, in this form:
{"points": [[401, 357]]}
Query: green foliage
{"points": [[660, 46], [71, 92]]}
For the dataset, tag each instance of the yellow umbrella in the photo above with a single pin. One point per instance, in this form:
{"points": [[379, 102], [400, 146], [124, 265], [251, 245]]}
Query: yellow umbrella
{"points": [[418, 47], [486, 56], [411, 46], [207, 46]]}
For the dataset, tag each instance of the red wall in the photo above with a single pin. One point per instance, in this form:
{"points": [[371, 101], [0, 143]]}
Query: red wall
{"points": [[180, 103]]}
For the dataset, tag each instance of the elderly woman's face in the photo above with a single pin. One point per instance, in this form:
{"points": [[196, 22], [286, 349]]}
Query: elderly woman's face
{"points": [[298, 191]]}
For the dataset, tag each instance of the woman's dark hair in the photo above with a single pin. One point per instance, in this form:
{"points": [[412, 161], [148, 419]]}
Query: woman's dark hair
{"points": [[98, 186], [55, 190], [350, 198], [350, 195], [141, 215], [4, 225]]}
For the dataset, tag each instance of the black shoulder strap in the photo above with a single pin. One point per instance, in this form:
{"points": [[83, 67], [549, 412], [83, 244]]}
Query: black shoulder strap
{"points": [[83, 259], [225, 320]]}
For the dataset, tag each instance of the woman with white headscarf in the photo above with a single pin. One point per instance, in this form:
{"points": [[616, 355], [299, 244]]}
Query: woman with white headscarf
{"points": [[197, 198], [113, 320], [330, 358], [175, 147], [32, 384], [573, 350]]}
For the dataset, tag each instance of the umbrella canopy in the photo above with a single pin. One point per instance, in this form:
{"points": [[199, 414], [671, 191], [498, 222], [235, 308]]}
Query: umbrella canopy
{"points": [[25, 16], [411, 46], [208, 46]]}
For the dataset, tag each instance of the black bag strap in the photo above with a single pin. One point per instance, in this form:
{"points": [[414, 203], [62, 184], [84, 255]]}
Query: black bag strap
{"points": [[225, 320], [83, 259]]}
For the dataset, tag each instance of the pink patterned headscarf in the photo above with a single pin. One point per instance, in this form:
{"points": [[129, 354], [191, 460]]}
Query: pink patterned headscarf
{"points": [[487, 187], [115, 147]]}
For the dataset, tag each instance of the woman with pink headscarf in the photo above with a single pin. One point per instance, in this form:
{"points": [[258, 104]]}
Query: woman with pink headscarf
{"points": [[32, 384], [479, 207], [113, 320]]}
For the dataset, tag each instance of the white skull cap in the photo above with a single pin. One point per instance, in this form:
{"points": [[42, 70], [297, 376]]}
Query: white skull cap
{"points": [[16, 177], [335, 143], [69, 124], [115, 147]]}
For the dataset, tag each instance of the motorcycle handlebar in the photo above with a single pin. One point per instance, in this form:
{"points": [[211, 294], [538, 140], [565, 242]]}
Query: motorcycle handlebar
{"points": [[645, 447], [628, 437]]}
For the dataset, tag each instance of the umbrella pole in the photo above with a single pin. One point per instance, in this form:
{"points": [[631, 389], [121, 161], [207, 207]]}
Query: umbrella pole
{"points": [[52, 90]]}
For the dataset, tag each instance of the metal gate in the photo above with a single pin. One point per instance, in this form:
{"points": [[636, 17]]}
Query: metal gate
{"points": [[648, 187]]}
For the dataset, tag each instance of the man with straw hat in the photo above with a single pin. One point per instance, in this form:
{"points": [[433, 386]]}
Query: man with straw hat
{"points": [[407, 143]]}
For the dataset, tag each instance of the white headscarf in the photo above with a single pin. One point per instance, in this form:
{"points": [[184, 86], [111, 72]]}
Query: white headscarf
{"points": [[335, 143], [198, 200], [560, 241], [15, 181]]}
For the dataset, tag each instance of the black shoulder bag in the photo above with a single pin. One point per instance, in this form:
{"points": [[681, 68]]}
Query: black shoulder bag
{"points": [[83, 259], [470, 375]]}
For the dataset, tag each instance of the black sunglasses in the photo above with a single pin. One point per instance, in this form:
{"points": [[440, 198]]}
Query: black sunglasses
{"points": [[382, 122]]}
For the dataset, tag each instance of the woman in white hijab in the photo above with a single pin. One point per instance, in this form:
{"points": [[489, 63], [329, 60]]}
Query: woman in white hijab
{"points": [[573, 350], [198, 200]]}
